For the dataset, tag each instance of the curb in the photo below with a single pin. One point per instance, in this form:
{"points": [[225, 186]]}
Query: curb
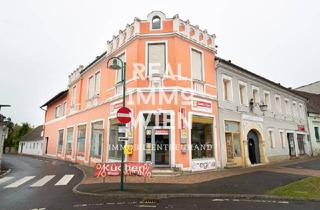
{"points": [[184, 195], [5, 173]]}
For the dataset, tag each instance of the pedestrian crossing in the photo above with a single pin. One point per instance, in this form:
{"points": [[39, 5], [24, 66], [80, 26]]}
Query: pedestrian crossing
{"points": [[33, 181]]}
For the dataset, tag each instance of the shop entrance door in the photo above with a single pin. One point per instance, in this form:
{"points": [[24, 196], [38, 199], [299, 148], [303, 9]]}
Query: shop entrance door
{"points": [[157, 146], [301, 144]]}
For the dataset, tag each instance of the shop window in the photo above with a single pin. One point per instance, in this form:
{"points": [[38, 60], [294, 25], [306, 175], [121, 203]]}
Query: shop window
{"points": [[156, 22], [156, 58], [227, 89], [202, 137], [243, 94], [119, 72], [267, 100], [115, 146], [278, 103], [271, 139], [316, 132], [81, 138], [232, 135], [255, 95], [69, 141], [282, 139], [60, 141], [96, 139]]}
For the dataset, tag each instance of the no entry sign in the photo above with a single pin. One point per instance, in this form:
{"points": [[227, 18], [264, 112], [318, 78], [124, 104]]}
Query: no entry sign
{"points": [[124, 115]]}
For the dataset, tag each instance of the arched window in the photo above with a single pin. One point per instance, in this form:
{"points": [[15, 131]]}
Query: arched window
{"points": [[156, 22], [182, 27]]}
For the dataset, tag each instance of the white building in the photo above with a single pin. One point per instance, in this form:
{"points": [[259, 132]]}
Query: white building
{"points": [[32, 143], [313, 110], [260, 121]]}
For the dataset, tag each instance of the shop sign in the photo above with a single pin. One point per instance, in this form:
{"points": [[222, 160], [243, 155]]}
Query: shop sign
{"points": [[252, 118], [130, 169], [162, 132], [201, 106], [301, 128], [201, 165]]}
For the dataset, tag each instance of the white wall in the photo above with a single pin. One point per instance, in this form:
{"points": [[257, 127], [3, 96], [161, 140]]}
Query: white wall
{"points": [[31, 147]]}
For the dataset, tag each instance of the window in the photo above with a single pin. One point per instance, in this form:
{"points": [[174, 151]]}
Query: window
{"points": [[97, 83], [271, 140], [278, 103], [295, 109], [60, 140], [267, 100], [91, 87], [64, 108], [202, 137], [316, 132], [96, 139], [243, 94], [69, 141], [57, 111], [301, 111], [196, 65], [119, 72], [282, 139], [156, 58], [114, 143], [94, 85], [156, 22], [287, 106], [227, 88], [81, 140], [255, 95], [73, 96]]}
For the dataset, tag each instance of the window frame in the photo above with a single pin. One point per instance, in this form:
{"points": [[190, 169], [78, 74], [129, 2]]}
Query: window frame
{"points": [[245, 100], [255, 88], [278, 106], [58, 142], [265, 92], [282, 138], [57, 114], [165, 42], [317, 133], [151, 23], [287, 106], [202, 63], [225, 77], [272, 140]]}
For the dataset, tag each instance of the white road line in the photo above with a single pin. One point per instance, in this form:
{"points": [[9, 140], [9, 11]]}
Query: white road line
{"points": [[65, 179], [20, 182], [5, 179], [42, 181]]}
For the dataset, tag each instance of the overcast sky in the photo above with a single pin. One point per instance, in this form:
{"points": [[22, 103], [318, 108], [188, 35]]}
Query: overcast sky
{"points": [[41, 42]]}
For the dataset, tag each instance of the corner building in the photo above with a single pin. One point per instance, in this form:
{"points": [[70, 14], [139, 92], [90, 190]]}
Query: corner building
{"points": [[170, 89]]}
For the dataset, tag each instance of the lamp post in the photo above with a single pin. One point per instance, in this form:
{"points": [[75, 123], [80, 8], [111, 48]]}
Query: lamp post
{"points": [[115, 66]]}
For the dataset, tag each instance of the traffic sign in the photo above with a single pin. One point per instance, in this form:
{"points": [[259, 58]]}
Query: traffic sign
{"points": [[124, 115]]}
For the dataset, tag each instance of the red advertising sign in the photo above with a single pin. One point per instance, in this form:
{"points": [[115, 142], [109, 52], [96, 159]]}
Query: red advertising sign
{"points": [[162, 132], [203, 104], [124, 115], [130, 169]]}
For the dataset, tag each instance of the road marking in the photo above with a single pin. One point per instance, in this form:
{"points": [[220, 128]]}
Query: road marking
{"points": [[42, 181], [5, 179], [20, 182], [64, 180], [248, 200]]}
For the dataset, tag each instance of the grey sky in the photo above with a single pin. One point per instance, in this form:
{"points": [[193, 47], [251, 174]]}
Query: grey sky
{"points": [[41, 42]]}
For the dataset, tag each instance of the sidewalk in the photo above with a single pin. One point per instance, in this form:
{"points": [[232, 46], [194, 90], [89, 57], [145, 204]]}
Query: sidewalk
{"points": [[254, 181]]}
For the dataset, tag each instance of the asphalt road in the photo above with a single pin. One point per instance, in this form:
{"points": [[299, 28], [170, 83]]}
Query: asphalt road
{"points": [[47, 184]]}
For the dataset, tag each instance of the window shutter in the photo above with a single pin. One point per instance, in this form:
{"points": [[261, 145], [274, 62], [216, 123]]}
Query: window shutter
{"points": [[196, 65], [156, 58]]}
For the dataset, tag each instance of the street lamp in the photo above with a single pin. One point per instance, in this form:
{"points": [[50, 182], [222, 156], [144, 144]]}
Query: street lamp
{"points": [[115, 66]]}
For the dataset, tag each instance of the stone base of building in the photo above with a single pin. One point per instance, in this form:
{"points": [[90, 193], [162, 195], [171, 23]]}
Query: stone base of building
{"points": [[278, 158]]}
